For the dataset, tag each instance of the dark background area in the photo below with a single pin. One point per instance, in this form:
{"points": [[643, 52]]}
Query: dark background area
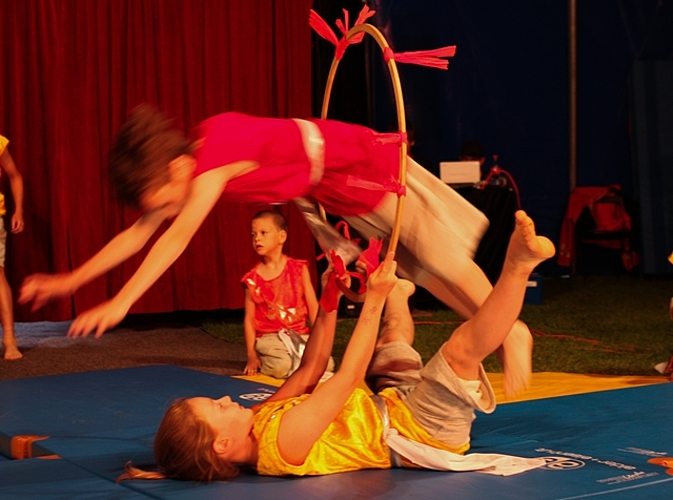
{"points": [[508, 87]]}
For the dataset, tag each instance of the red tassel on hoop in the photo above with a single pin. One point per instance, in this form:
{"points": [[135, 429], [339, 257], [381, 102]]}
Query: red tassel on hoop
{"points": [[391, 138], [320, 26], [430, 58], [389, 186]]}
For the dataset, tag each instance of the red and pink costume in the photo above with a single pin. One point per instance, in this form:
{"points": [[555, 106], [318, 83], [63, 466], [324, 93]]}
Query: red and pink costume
{"points": [[280, 303], [351, 171], [351, 154]]}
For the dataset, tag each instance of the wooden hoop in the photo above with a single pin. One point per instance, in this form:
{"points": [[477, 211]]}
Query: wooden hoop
{"points": [[402, 127]]}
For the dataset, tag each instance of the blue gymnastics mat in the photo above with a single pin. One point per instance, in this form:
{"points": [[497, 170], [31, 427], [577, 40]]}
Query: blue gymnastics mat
{"points": [[36, 478], [596, 444]]}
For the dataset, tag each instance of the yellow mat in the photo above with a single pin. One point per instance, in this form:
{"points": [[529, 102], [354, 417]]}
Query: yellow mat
{"points": [[543, 384], [549, 384]]}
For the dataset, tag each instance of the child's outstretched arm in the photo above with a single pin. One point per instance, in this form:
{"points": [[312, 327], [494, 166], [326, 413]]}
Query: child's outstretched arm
{"points": [[40, 288], [206, 189], [303, 425]]}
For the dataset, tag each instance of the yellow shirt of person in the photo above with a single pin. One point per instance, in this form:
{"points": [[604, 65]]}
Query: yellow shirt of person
{"points": [[3, 145], [353, 441]]}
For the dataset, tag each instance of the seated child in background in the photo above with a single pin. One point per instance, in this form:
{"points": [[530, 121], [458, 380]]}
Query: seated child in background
{"points": [[279, 297], [310, 429]]}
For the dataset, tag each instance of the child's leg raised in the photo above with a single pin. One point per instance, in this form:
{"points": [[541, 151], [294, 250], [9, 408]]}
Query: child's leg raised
{"points": [[398, 325], [428, 256], [394, 361], [487, 329]]}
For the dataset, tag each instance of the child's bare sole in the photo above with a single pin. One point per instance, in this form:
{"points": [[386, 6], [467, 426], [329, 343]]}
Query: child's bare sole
{"points": [[12, 352], [526, 248]]}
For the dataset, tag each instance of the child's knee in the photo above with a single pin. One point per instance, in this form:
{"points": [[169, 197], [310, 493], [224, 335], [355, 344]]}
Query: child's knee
{"points": [[460, 354], [276, 366], [521, 327], [394, 335]]}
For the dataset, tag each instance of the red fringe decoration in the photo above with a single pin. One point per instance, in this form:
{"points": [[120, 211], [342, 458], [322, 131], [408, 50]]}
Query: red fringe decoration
{"points": [[320, 26], [430, 58]]}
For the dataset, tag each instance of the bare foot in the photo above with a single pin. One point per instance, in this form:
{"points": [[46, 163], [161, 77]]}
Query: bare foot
{"points": [[12, 352], [526, 249]]}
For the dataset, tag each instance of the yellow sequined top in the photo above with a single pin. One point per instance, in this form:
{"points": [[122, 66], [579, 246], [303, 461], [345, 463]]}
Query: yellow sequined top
{"points": [[353, 441], [3, 145]]}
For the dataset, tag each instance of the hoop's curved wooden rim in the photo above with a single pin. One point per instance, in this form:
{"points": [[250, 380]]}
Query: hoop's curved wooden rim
{"points": [[402, 127]]}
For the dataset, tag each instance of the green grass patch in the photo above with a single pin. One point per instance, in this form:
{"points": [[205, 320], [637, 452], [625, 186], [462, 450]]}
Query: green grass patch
{"points": [[611, 325]]}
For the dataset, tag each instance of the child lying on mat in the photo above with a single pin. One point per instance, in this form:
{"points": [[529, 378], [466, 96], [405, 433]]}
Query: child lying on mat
{"points": [[336, 427], [350, 170]]}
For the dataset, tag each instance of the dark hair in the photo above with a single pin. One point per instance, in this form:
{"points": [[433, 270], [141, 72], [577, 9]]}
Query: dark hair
{"points": [[471, 149], [141, 152], [278, 219]]}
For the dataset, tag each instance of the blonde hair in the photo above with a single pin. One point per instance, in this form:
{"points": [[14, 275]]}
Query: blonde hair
{"points": [[183, 449]]}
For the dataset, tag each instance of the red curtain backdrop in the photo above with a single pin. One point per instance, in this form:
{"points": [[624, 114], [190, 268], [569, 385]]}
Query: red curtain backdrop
{"points": [[73, 69]]}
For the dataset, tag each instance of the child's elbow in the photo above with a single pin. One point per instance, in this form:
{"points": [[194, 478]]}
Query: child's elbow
{"points": [[350, 376]]}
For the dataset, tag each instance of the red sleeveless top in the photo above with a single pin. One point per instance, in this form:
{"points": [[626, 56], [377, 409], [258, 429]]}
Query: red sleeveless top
{"points": [[357, 164], [280, 302]]}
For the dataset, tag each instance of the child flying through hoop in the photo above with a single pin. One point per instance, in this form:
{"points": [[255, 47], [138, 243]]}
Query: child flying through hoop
{"points": [[349, 169]]}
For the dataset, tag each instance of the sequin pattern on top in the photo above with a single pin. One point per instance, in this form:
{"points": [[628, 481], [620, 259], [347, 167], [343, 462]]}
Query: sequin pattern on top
{"points": [[280, 303]]}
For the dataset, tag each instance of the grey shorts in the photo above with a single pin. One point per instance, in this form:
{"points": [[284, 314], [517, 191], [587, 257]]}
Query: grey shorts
{"points": [[275, 358], [439, 400]]}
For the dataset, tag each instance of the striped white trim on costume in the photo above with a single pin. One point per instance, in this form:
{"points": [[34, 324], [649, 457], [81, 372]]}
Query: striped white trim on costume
{"points": [[314, 145]]}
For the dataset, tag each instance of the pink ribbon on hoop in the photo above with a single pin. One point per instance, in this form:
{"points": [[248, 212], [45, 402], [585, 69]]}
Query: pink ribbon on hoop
{"points": [[390, 138], [321, 27], [389, 186], [430, 58], [370, 256], [329, 300], [342, 225]]}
